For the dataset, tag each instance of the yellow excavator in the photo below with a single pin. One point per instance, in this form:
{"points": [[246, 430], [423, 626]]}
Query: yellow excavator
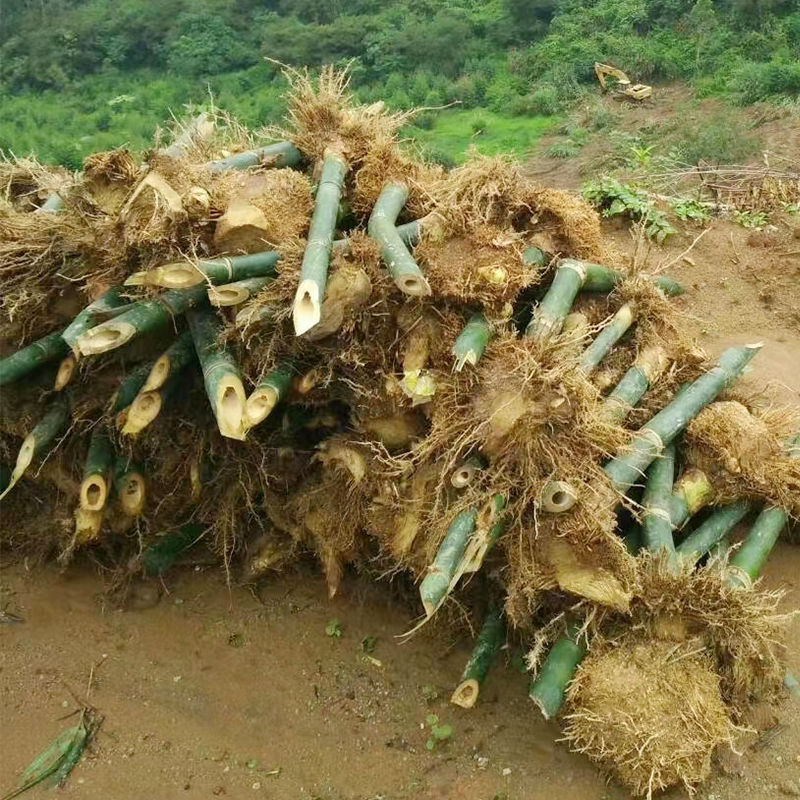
{"points": [[619, 84]]}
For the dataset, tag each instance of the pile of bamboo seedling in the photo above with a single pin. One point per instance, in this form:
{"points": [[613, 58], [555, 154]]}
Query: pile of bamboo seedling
{"points": [[325, 345]]}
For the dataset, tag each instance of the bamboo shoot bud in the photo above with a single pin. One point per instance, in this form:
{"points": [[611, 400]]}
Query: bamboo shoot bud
{"points": [[130, 486], [270, 391], [626, 469], [436, 583], [549, 688], [306, 312], [144, 317], [278, 155], [170, 362], [713, 530], [232, 294], [221, 375], [471, 342], [17, 365], [97, 470], [548, 317], [47, 430], [490, 640], [607, 338]]}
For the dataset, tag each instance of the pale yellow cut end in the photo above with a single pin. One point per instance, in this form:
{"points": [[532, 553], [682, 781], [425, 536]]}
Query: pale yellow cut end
{"points": [[141, 412], [228, 295], [558, 497], [259, 406], [66, 369], [466, 693], [133, 494], [24, 458], [307, 310], [158, 375], [93, 493], [230, 408], [179, 276], [414, 285], [105, 337], [463, 476]]}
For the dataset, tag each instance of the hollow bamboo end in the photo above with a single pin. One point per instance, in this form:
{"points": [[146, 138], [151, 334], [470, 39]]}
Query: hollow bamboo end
{"points": [[136, 279], [141, 412], [93, 493], [463, 476], [466, 693], [24, 458], [133, 494], [541, 705], [176, 276], [230, 408], [307, 310], [158, 375], [223, 296], [414, 285], [558, 497], [259, 405], [66, 369], [105, 337]]}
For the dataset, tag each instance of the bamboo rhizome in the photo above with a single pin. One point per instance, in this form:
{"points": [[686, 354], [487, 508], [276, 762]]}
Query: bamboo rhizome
{"points": [[277, 156], [490, 639], [549, 688], [405, 271], [548, 317], [221, 376], [649, 366], [271, 389], [43, 351], [607, 338], [656, 519], [306, 311], [713, 530], [95, 485]]}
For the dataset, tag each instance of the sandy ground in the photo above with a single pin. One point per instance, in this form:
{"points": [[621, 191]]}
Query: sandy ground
{"points": [[217, 692]]}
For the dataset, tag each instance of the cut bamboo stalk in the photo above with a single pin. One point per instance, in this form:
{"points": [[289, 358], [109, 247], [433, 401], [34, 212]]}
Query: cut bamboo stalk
{"points": [[106, 304], [97, 470], [66, 369], [87, 526], [604, 279], [558, 497], [626, 469], [129, 483], [549, 688], [405, 271], [278, 155], [548, 317], [131, 385], [47, 430], [199, 129], [163, 553], [490, 639], [489, 527], [714, 529], [270, 391], [144, 317], [465, 474], [650, 365], [227, 269], [43, 351], [471, 342], [222, 379], [306, 311], [233, 294], [607, 338], [436, 583], [534, 256], [691, 492], [657, 500], [170, 362], [147, 405]]}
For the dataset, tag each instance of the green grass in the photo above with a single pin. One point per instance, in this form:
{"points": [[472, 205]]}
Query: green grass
{"points": [[453, 132]]}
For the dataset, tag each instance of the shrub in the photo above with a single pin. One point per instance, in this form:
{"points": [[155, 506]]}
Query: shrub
{"points": [[545, 101]]}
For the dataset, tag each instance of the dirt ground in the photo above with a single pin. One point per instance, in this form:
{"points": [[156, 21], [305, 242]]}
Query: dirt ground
{"points": [[217, 692]]}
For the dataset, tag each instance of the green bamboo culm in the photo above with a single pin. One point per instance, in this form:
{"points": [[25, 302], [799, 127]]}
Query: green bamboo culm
{"points": [[712, 530], [627, 469], [607, 338], [604, 279], [436, 583], [548, 317], [54, 422], [549, 688], [490, 639], [405, 271], [278, 155], [94, 489], [656, 521], [88, 318], [221, 375], [306, 312], [178, 355], [233, 294], [163, 553], [471, 342], [650, 364], [145, 316], [43, 351], [271, 390]]}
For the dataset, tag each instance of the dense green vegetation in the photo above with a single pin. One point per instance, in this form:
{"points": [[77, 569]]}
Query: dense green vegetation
{"points": [[78, 75]]}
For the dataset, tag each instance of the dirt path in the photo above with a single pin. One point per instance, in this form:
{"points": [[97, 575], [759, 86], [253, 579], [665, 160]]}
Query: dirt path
{"points": [[210, 693]]}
